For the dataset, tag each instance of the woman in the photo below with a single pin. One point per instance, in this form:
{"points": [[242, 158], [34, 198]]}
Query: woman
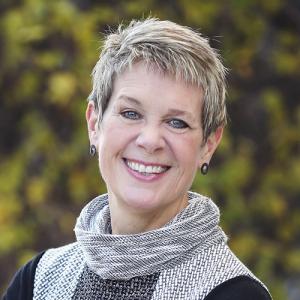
{"points": [[155, 116]]}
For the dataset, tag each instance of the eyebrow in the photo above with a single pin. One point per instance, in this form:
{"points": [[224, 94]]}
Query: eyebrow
{"points": [[171, 112], [130, 99], [178, 112]]}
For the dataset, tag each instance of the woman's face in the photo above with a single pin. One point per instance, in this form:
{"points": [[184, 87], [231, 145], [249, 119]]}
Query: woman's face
{"points": [[150, 139]]}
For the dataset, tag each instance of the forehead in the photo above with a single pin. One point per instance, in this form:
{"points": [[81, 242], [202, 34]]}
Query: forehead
{"points": [[147, 82]]}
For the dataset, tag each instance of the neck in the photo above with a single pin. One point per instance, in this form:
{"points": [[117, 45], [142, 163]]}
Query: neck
{"points": [[128, 220]]}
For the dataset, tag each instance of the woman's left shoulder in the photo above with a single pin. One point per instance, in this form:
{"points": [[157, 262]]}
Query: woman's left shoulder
{"points": [[240, 287]]}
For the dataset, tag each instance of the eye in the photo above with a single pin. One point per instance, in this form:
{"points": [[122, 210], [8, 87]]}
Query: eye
{"points": [[178, 124], [130, 114]]}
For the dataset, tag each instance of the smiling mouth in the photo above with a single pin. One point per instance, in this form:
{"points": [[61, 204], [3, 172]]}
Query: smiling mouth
{"points": [[145, 170]]}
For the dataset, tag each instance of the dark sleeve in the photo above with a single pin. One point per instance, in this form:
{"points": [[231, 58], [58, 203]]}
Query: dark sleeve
{"points": [[241, 287], [21, 286]]}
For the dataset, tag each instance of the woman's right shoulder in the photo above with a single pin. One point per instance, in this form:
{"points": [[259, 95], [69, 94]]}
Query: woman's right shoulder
{"points": [[56, 257], [22, 284], [55, 268]]}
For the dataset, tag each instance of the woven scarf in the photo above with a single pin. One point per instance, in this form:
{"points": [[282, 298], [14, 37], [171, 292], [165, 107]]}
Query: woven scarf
{"points": [[125, 256]]}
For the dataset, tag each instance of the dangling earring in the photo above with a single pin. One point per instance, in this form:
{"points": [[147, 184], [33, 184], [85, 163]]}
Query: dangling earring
{"points": [[204, 168], [93, 150]]}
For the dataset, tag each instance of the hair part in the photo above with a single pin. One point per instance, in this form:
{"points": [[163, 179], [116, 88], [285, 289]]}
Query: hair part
{"points": [[176, 51]]}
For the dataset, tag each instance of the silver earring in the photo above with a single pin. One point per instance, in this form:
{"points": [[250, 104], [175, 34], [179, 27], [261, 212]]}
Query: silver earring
{"points": [[204, 168], [93, 150]]}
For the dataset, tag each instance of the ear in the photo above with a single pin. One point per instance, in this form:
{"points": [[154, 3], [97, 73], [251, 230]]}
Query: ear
{"points": [[92, 125], [210, 146]]}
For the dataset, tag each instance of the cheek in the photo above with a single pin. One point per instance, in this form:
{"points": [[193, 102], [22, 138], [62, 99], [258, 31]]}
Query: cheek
{"points": [[113, 141], [187, 152]]}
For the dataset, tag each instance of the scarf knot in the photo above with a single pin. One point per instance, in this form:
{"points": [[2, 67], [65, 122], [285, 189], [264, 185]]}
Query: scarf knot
{"points": [[121, 257]]}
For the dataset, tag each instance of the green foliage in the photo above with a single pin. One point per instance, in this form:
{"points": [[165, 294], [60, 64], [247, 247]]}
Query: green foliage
{"points": [[47, 51]]}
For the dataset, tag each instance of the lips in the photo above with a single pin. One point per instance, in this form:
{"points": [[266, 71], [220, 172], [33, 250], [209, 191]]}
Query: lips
{"points": [[146, 168]]}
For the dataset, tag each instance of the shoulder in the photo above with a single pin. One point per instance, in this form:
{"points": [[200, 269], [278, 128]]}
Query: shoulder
{"points": [[232, 279], [56, 267], [223, 274], [21, 286], [240, 287], [57, 261], [60, 256]]}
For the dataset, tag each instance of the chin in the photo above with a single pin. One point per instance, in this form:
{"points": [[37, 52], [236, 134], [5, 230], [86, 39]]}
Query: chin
{"points": [[143, 201]]}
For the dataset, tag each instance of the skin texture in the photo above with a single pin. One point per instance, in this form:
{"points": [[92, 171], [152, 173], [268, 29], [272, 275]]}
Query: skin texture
{"points": [[154, 120]]}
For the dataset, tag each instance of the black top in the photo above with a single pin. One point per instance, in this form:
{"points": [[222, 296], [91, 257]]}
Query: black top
{"points": [[21, 286], [237, 288], [241, 287]]}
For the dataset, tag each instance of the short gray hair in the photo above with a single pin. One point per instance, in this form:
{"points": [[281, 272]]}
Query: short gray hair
{"points": [[175, 50]]}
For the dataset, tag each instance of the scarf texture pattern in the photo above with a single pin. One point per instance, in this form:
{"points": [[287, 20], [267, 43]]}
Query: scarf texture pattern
{"points": [[126, 256], [185, 259]]}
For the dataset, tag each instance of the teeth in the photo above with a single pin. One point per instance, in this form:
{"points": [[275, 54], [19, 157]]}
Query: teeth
{"points": [[149, 169], [141, 168], [145, 169], [155, 169]]}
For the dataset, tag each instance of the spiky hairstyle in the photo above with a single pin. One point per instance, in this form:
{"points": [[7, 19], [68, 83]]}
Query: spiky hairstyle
{"points": [[173, 49]]}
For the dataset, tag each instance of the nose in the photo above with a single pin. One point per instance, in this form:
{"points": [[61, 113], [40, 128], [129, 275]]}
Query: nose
{"points": [[150, 138]]}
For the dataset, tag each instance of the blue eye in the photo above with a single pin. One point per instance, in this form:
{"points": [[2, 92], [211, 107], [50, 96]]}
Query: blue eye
{"points": [[129, 114], [178, 124]]}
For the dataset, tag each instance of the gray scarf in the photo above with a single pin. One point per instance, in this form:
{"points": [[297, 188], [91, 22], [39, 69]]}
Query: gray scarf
{"points": [[126, 256]]}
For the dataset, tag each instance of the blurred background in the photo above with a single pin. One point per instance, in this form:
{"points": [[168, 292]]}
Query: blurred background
{"points": [[47, 51]]}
